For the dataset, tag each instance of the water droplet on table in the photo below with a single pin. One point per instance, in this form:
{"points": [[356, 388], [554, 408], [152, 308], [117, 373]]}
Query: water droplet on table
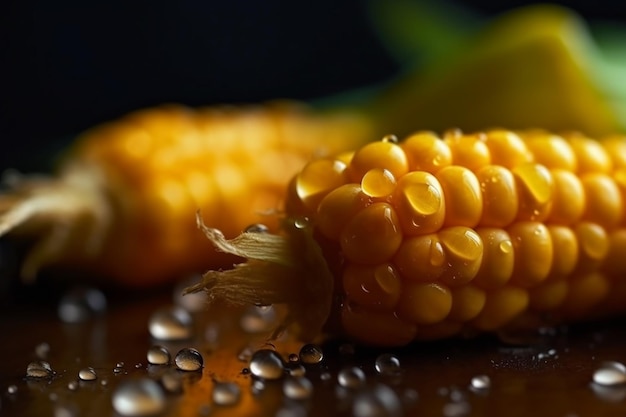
{"points": [[311, 354], [12, 389], [39, 369], [380, 400], [72, 385], [189, 359], [158, 355], [138, 398], [81, 304], [387, 364], [295, 369], [610, 374], [297, 388], [226, 393], [87, 374], [351, 377], [172, 323], [42, 350], [480, 382], [266, 364]]}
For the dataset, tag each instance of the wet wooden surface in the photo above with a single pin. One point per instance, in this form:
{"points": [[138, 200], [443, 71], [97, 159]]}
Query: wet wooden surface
{"points": [[544, 375]]}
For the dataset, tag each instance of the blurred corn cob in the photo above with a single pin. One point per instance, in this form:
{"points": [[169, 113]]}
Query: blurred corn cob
{"points": [[125, 197], [434, 237]]}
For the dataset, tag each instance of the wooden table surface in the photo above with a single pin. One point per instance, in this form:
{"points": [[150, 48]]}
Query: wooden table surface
{"points": [[543, 375]]}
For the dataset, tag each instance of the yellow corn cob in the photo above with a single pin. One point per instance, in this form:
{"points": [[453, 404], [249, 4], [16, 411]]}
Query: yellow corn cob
{"points": [[434, 237], [124, 200]]}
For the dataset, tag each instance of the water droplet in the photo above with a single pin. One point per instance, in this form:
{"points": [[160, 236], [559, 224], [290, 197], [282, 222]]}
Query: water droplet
{"points": [[351, 377], [226, 393], [311, 354], [325, 376], [12, 389], [39, 369], [118, 370], [610, 374], [104, 382], [192, 302], [378, 183], [172, 323], [258, 385], [258, 319], [301, 222], [266, 364], [66, 410], [138, 398], [158, 355], [297, 388], [380, 400], [506, 246], [189, 359], [293, 357], [245, 354], [390, 138], [42, 350], [87, 374], [72, 385], [172, 381], [119, 364], [81, 304], [387, 364], [480, 382], [256, 228]]}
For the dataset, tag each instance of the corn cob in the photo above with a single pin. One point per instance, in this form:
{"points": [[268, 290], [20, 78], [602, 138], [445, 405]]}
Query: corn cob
{"points": [[123, 202], [440, 236]]}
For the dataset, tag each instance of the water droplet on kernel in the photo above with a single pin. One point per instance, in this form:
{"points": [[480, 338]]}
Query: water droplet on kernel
{"points": [[311, 354], [506, 246], [378, 183], [39, 369], [226, 393], [158, 355], [81, 304], [480, 382], [87, 374], [266, 364], [138, 398], [610, 374], [390, 138], [351, 377], [297, 388], [189, 359], [380, 400], [172, 323], [256, 228], [423, 198], [436, 254], [387, 364]]}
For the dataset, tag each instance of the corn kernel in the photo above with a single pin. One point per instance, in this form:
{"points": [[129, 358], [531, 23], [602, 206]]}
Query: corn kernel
{"points": [[533, 253], [382, 154], [552, 151], [424, 303], [568, 199], [590, 154], [584, 292], [426, 152], [317, 179], [593, 243], [420, 202], [500, 197], [462, 194], [376, 287], [469, 151], [467, 302], [549, 295], [378, 183], [603, 200], [501, 306], [507, 149], [338, 207], [421, 258], [463, 249], [566, 250], [535, 188], [498, 258]]}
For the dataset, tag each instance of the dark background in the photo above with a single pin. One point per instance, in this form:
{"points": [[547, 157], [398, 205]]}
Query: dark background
{"points": [[67, 65]]}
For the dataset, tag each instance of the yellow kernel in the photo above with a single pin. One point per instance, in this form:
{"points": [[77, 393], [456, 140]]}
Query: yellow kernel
{"points": [[565, 244], [568, 201], [500, 198], [552, 151], [420, 202], [376, 328], [507, 149], [372, 236], [584, 292], [590, 154], [501, 306], [424, 303], [498, 258], [338, 207], [615, 147], [421, 258], [426, 152], [533, 253], [548, 295], [603, 200], [469, 151], [464, 253], [593, 244], [317, 178], [615, 261], [376, 287], [535, 189], [382, 154], [378, 183], [467, 302], [464, 200]]}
